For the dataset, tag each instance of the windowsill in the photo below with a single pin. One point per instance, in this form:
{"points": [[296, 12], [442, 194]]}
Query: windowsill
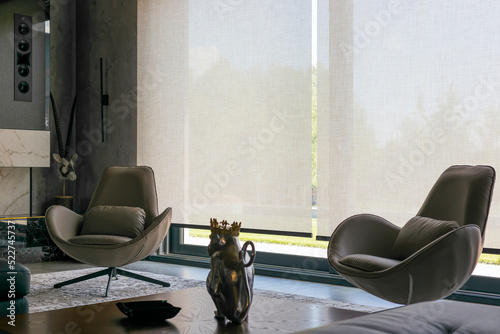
{"points": [[269, 248], [482, 269]]}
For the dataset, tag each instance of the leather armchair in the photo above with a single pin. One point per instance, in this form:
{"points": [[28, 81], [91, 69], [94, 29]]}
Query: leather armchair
{"points": [[121, 225], [363, 248]]}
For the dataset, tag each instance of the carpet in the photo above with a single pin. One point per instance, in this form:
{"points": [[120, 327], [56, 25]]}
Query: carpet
{"points": [[44, 297]]}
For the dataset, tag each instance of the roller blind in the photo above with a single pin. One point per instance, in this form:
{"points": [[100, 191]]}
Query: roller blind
{"points": [[224, 110], [405, 89]]}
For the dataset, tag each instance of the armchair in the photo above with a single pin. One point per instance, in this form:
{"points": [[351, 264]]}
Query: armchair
{"points": [[433, 255], [121, 225]]}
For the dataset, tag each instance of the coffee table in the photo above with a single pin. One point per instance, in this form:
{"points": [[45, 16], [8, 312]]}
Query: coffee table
{"points": [[267, 315]]}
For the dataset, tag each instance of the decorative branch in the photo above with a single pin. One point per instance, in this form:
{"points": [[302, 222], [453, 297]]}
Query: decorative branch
{"points": [[58, 126], [70, 128], [66, 166]]}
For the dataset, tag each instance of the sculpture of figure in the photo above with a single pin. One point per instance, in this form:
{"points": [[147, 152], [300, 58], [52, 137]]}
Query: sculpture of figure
{"points": [[230, 280]]}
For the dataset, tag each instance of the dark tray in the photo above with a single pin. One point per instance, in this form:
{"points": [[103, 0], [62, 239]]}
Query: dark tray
{"points": [[148, 310]]}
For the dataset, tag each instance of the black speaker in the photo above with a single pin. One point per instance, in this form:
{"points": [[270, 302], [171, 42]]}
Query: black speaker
{"points": [[23, 77]]}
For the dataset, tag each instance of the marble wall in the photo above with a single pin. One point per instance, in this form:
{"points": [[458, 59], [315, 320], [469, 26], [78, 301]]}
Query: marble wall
{"points": [[24, 148], [32, 242], [15, 191]]}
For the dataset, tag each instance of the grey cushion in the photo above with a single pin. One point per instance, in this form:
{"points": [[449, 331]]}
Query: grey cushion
{"points": [[441, 316], [368, 262], [97, 239], [419, 232], [114, 220]]}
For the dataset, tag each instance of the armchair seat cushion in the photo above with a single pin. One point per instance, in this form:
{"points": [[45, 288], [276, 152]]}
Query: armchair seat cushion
{"points": [[368, 262], [114, 220], [90, 240]]}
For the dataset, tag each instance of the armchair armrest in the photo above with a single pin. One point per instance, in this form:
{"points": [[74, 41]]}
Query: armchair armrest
{"points": [[362, 234], [157, 221], [435, 271], [154, 234], [62, 223], [452, 257]]}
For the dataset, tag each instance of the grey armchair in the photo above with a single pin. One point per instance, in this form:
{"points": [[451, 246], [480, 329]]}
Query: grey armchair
{"points": [[121, 225], [433, 255]]}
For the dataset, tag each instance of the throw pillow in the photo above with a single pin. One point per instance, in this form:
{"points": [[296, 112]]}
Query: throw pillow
{"points": [[418, 232], [123, 221]]}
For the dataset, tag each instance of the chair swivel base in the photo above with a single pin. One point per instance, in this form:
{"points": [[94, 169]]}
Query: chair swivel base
{"points": [[111, 272]]}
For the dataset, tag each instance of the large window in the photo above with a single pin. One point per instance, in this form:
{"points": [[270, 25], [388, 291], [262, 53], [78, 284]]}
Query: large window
{"points": [[405, 89], [227, 91], [228, 126]]}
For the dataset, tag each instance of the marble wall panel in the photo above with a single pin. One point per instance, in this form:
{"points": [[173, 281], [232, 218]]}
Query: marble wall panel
{"points": [[32, 242], [24, 148], [14, 191]]}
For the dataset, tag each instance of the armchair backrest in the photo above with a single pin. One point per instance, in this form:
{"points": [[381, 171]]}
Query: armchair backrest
{"points": [[462, 194], [127, 186]]}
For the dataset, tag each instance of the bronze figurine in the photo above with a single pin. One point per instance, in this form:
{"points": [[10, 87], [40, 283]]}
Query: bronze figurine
{"points": [[230, 280]]}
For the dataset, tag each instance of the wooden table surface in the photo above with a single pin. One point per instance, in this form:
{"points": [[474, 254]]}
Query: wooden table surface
{"points": [[266, 315]]}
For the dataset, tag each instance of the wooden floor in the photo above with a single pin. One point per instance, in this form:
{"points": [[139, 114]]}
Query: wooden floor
{"points": [[318, 290], [268, 316]]}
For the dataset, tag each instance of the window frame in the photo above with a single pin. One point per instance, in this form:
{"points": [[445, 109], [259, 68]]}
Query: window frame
{"points": [[478, 289]]}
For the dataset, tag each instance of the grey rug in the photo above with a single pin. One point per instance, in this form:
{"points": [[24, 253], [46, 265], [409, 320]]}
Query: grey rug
{"points": [[44, 297]]}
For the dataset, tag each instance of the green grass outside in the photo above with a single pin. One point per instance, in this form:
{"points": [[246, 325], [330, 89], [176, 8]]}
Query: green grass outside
{"points": [[490, 259], [307, 242], [273, 239]]}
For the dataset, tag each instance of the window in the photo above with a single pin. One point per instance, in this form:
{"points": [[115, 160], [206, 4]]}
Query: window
{"points": [[404, 90], [227, 127]]}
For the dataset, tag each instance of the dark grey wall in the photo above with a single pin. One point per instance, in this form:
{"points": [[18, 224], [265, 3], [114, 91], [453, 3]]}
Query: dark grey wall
{"points": [[108, 30], [82, 32], [15, 114]]}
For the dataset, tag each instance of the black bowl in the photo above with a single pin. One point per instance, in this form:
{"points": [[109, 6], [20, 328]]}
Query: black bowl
{"points": [[148, 310]]}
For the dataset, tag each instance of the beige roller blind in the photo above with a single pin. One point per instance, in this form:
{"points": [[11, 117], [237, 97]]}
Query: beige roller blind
{"points": [[405, 89], [224, 110]]}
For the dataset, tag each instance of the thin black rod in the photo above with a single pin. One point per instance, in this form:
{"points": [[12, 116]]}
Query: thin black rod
{"points": [[102, 106], [248, 230]]}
